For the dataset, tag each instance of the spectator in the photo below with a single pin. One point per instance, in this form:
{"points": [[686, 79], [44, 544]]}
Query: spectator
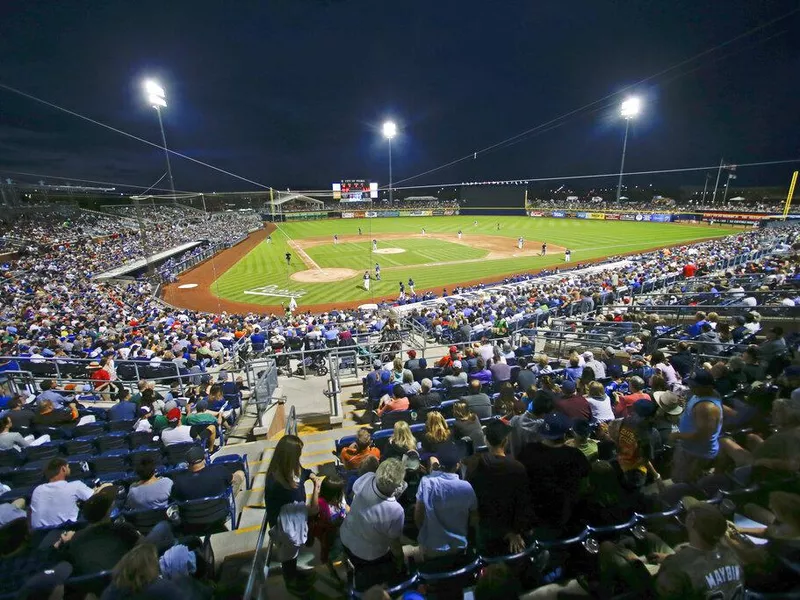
{"points": [[20, 415], [666, 419], [448, 361], [284, 486], [467, 424], [137, 576], [574, 371], [410, 387], [773, 349], [752, 369], [101, 379], [456, 378], [636, 446], [9, 439], [201, 481], [412, 363], [49, 417], [599, 403], [708, 341], [482, 374], [526, 378], [596, 366], [571, 404], [176, 432], [371, 532], [325, 525], [477, 401], [698, 430], [612, 363], [423, 372], [581, 430], [55, 503], [204, 422], [504, 499], [397, 401], [426, 397], [48, 387], [124, 409], [151, 492], [374, 384], [555, 472], [682, 360], [352, 455], [437, 433], [446, 507], [401, 443], [625, 401], [500, 371], [695, 328], [525, 427], [662, 365]]}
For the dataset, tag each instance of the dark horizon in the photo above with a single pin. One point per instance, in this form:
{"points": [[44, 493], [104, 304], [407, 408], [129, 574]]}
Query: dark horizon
{"points": [[296, 90]]}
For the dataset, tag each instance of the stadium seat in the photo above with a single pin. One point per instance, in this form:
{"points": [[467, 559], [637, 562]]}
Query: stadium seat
{"points": [[112, 461], [89, 429], [112, 441], [176, 453], [11, 458], [144, 520], [80, 445], [143, 439], [137, 454], [25, 476], [42, 452], [121, 426], [234, 462], [207, 515]]}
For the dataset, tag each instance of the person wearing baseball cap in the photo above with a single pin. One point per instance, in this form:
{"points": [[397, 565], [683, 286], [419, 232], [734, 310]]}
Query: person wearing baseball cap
{"points": [[204, 481], [412, 362], [47, 584], [504, 497], [457, 377], [175, 432], [555, 471], [699, 429], [446, 362]]}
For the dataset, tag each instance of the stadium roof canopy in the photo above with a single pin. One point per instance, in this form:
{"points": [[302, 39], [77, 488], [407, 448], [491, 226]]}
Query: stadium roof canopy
{"points": [[284, 197]]}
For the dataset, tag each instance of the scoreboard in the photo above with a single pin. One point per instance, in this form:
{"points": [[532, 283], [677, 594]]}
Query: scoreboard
{"points": [[355, 190]]}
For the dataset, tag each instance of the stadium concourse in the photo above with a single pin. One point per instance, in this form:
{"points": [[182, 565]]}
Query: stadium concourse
{"points": [[565, 433]]}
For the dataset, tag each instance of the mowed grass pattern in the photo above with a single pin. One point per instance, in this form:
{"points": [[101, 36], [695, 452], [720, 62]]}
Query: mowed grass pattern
{"points": [[417, 251], [265, 264]]}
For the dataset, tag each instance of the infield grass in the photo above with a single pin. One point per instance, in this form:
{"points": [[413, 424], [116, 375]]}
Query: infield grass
{"points": [[588, 239]]}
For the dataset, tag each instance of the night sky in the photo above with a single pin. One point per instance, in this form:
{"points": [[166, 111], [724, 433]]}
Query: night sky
{"points": [[293, 92]]}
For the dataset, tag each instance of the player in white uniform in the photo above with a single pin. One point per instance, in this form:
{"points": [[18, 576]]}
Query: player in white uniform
{"points": [[521, 243], [366, 280], [335, 239], [459, 234], [374, 245], [423, 231], [567, 255]]}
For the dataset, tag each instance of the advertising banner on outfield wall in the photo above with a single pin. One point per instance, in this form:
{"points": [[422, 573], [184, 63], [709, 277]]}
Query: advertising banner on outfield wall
{"points": [[348, 215], [389, 213], [535, 213], [559, 214], [371, 214], [627, 217], [598, 216], [305, 216], [612, 216], [661, 218], [641, 218], [747, 217], [415, 213], [442, 212], [581, 215]]}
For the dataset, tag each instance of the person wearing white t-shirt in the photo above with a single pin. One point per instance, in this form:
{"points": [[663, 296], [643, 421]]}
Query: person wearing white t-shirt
{"points": [[56, 502], [175, 433]]}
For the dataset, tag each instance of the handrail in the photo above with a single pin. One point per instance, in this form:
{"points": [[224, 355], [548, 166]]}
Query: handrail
{"points": [[291, 422]]}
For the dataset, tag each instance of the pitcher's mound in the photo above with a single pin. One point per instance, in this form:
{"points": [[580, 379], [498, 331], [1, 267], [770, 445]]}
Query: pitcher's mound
{"points": [[323, 275], [389, 251]]}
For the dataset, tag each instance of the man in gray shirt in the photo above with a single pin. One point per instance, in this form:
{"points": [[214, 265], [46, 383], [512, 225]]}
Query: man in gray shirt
{"points": [[48, 393], [478, 402], [457, 378]]}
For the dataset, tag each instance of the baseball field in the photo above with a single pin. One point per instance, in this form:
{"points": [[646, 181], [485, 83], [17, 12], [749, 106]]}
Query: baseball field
{"points": [[322, 272]]}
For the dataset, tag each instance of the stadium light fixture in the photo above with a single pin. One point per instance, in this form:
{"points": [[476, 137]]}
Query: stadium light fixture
{"points": [[629, 109], [389, 131], [157, 98]]}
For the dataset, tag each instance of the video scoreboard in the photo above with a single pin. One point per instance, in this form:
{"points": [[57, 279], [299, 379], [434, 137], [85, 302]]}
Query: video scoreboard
{"points": [[355, 190]]}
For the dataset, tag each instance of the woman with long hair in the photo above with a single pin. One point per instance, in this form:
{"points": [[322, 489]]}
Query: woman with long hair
{"points": [[587, 377], [437, 433], [401, 442], [285, 484], [507, 405], [137, 576], [467, 425]]}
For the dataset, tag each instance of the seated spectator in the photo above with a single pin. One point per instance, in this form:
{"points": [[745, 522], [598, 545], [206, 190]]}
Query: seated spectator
{"points": [[695, 328], [597, 367], [506, 404], [20, 415], [524, 348], [422, 372], [411, 387], [201, 481], [663, 365], [525, 427], [48, 416], [773, 352], [478, 402], [175, 432], [437, 433], [703, 566], [137, 575], [542, 364], [571, 404], [526, 378], [669, 410], [426, 396], [352, 455], [124, 409], [574, 370], [205, 421], [612, 362], [708, 341], [599, 403], [9, 439], [482, 374], [625, 401], [412, 363], [397, 401], [753, 370], [501, 372], [55, 503], [555, 472], [636, 445], [457, 376], [446, 362], [467, 424], [371, 531], [585, 379], [682, 360], [504, 498], [151, 491], [401, 442], [446, 507], [581, 430], [48, 387]]}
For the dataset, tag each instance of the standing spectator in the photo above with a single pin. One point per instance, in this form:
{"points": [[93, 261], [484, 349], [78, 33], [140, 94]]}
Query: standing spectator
{"points": [[352, 455], [446, 507], [698, 430], [581, 430], [504, 499], [682, 360], [636, 446], [625, 401]]}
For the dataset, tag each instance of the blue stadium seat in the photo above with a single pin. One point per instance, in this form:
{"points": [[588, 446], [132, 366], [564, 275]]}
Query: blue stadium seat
{"points": [[234, 462], [42, 452], [207, 515], [80, 445], [112, 441], [112, 461]]}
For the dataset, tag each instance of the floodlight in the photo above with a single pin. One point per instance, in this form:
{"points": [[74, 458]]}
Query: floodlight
{"points": [[152, 88], [630, 107], [156, 101], [389, 129]]}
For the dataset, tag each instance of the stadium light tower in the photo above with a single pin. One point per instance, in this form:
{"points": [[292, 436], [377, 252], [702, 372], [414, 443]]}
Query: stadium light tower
{"points": [[157, 98], [630, 109], [389, 131]]}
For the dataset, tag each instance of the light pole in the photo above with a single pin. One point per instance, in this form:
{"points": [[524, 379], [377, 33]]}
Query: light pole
{"points": [[629, 109], [158, 100], [389, 131]]}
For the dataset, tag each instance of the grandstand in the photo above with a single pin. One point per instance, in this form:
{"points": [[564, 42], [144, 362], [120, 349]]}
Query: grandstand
{"points": [[545, 423]]}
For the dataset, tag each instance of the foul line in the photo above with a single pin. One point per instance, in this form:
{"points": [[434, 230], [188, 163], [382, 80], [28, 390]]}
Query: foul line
{"points": [[309, 262]]}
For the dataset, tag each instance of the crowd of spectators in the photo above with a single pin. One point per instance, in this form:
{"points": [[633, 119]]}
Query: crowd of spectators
{"points": [[659, 205]]}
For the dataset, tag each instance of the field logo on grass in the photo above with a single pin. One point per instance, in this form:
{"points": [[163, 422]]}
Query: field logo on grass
{"points": [[274, 290]]}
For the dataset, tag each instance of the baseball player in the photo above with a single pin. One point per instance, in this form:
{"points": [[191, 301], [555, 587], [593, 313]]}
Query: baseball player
{"points": [[411, 287], [335, 239], [288, 259], [292, 304], [567, 255], [474, 223], [520, 242], [359, 231], [402, 295], [423, 231], [377, 272], [366, 280], [498, 227], [374, 245], [544, 249], [459, 234], [269, 239]]}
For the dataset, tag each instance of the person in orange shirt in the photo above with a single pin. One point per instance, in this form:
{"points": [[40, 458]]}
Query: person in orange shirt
{"points": [[448, 360], [625, 402], [398, 401], [353, 455]]}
